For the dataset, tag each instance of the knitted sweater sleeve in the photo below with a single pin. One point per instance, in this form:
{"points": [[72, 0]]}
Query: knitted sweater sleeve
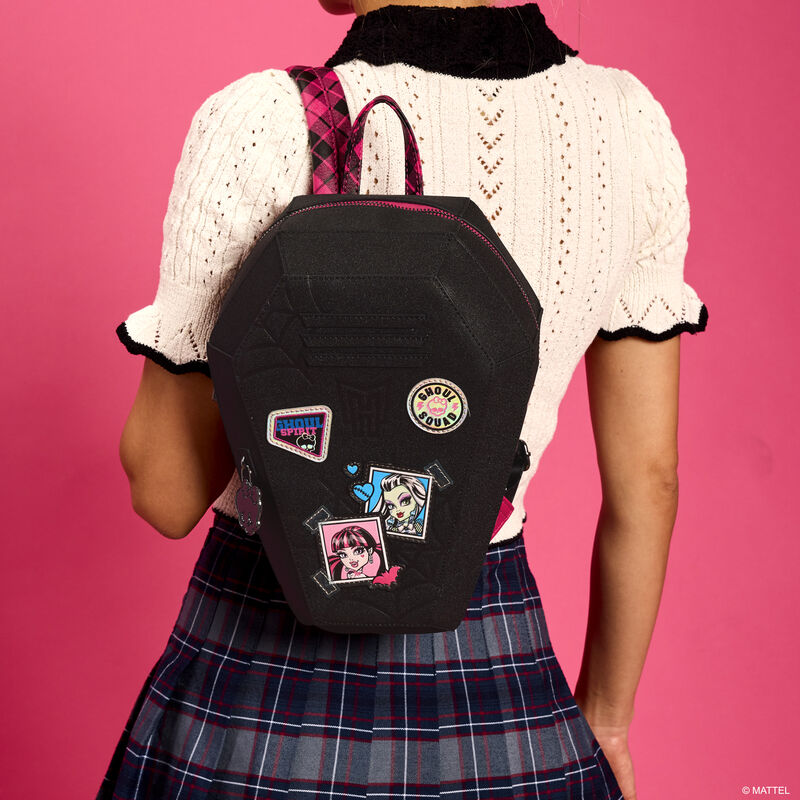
{"points": [[244, 158], [654, 302]]}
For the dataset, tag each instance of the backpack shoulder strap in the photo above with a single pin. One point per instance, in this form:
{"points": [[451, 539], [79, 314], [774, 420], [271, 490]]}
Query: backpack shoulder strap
{"points": [[328, 122]]}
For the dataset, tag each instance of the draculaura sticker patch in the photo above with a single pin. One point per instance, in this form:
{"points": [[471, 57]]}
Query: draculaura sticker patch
{"points": [[437, 405], [303, 431], [355, 550]]}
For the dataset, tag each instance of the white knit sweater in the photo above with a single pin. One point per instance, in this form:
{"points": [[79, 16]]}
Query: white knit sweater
{"points": [[576, 167]]}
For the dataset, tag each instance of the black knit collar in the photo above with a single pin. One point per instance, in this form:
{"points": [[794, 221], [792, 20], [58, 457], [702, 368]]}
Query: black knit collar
{"points": [[472, 42]]}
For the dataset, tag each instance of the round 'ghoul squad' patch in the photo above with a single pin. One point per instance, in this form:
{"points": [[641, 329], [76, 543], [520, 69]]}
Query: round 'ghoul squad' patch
{"points": [[437, 405]]}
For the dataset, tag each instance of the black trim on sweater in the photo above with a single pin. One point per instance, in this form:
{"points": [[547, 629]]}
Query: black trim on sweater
{"points": [[472, 42], [138, 349], [643, 333]]}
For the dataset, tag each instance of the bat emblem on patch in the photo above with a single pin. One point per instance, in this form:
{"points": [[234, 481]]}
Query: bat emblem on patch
{"points": [[388, 578]]}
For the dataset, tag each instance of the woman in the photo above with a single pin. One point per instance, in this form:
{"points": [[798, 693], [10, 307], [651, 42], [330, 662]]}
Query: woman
{"points": [[578, 170]]}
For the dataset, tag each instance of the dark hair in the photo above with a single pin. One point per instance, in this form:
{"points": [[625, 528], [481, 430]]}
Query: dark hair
{"points": [[350, 536]]}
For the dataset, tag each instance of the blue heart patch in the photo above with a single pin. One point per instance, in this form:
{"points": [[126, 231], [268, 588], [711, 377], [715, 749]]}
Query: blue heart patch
{"points": [[363, 491], [352, 468]]}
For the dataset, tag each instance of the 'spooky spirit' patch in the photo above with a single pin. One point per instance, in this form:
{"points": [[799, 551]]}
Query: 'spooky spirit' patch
{"points": [[437, 406], [302, 431]]}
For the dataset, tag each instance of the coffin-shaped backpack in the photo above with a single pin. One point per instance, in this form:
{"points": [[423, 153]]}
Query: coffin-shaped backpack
{"points": [[372, 361]]}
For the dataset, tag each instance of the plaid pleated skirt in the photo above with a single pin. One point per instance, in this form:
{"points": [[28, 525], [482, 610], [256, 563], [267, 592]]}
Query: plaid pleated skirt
{"points": [[246, 702]]}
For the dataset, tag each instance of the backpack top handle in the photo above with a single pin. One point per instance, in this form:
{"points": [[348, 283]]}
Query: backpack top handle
{"points": [[355, 150], [337, 147]]}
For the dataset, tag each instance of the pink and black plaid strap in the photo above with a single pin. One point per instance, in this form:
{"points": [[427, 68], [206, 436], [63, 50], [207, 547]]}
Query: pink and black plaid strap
{"points": [[328, 124], [355, 150]]}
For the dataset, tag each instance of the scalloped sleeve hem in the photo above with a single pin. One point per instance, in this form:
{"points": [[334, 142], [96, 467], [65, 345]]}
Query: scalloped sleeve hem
{"points": [[658, 336], [174, 329], [140, 349]]}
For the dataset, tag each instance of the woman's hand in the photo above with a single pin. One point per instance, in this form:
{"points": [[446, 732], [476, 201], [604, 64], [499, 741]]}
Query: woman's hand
{"points": [[614, 742]]}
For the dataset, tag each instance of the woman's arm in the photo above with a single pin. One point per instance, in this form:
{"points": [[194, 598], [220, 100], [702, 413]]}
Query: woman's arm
{"points": [[173, 450], [633, 398]]}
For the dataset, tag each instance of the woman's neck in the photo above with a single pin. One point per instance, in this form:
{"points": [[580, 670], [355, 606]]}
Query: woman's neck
{"points": [[363, 6]]}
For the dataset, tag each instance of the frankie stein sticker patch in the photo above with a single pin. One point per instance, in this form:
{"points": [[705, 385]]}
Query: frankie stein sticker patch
{"points": [[401, 499], [437, 405], [303, 431]]}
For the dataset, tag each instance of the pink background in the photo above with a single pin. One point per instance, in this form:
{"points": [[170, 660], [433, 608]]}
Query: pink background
{"points": [[97, 100], [373, 527]]}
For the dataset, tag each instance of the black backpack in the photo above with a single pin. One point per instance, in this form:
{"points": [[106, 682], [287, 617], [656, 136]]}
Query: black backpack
{"points": [[373, 361]]}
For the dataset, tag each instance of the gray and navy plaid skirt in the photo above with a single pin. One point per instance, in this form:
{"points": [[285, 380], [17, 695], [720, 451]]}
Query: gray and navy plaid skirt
{"points": [[246, 702]]}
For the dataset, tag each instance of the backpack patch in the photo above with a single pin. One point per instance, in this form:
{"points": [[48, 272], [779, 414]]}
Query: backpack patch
{"points": [[436, 405], [400, 498], [303, 431]]}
